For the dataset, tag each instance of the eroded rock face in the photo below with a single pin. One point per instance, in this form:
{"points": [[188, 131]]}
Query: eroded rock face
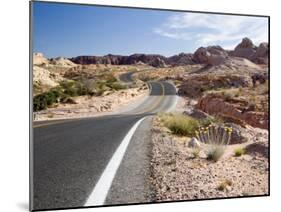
{"points": [[215, 104], [245, 44], [181, 59], [248, 50], [158, 62], [212, 55], [245, 49], [61, 61], [39, 59], [262, 53], [43, 77], [150, 59], [194, 85]]}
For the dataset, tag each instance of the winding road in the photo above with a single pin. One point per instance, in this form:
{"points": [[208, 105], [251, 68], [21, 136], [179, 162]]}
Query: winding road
{"points": [[97, 161]]}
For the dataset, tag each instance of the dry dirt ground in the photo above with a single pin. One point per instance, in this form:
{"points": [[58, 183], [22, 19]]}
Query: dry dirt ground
{"points": [[178, 173]]}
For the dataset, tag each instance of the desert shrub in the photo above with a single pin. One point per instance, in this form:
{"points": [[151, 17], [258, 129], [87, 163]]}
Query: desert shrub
{"points": [[195, 152], [116, 86], [42, 101], [215, 152], [239, 151], [216, 138], [107, 77], [180, 124], [73, 88], [39, 102]]}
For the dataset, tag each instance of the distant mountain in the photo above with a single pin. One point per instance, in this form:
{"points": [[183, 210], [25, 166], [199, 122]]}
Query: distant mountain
{"points": [[211, 55]]}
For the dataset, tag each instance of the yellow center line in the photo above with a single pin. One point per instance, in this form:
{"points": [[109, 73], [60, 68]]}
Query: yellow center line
{"points": [[156, 104]]}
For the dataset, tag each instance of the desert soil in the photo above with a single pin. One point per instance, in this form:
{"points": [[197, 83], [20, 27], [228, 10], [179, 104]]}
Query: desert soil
{"points": [[179, 175]]}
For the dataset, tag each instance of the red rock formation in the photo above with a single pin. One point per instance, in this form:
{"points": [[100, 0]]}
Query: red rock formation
{"points": [[248, 50], [214, 104]]}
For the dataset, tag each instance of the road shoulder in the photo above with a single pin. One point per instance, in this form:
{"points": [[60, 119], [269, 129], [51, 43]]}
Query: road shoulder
{"points": [[134, 171]]}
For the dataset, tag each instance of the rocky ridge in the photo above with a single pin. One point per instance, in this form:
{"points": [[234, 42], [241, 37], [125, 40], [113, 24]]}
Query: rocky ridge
{"points": [[212, 55]]}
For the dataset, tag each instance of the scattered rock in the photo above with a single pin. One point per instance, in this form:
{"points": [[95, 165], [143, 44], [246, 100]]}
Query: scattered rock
{"points": [[194, 143], [258, 149], [197, 114]]}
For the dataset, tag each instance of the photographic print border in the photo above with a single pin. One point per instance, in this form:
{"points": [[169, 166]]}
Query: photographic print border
{"points": [[31, 102]]}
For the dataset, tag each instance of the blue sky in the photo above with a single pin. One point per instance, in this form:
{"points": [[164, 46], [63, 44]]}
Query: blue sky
{"points": [[71, 30]]}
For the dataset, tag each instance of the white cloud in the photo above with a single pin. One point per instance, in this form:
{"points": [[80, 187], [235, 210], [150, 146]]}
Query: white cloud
{"points": [[178, 35], [213, 29]]}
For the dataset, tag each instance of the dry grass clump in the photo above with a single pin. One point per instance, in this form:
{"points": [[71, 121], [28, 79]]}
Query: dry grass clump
{"points": [[179, 124], [239, 151], [195, 152], [216, 139]]}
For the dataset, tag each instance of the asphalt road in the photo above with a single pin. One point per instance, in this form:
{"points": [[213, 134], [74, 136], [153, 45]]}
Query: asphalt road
{"points": [[127, 77], [71, 155]]}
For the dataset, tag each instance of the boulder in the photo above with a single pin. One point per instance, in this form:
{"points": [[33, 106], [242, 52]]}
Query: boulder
{"points": [[239, 134], [212, 55], [258, 149], [193, 143], [197, 114]]}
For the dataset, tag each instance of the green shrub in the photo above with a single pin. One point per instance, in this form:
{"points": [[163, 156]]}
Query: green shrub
{"points": [[239, 151], [42, 101], [72, 88], [107, 77], [180, 124], [39, 102], [117, 86]]}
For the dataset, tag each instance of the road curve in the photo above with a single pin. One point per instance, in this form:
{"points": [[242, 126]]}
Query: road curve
{"points": [[70, 155]]}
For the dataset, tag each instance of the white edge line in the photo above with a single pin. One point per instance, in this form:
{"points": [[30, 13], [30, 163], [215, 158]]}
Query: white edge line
{"points": [[99, 193], [172, 107]]}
